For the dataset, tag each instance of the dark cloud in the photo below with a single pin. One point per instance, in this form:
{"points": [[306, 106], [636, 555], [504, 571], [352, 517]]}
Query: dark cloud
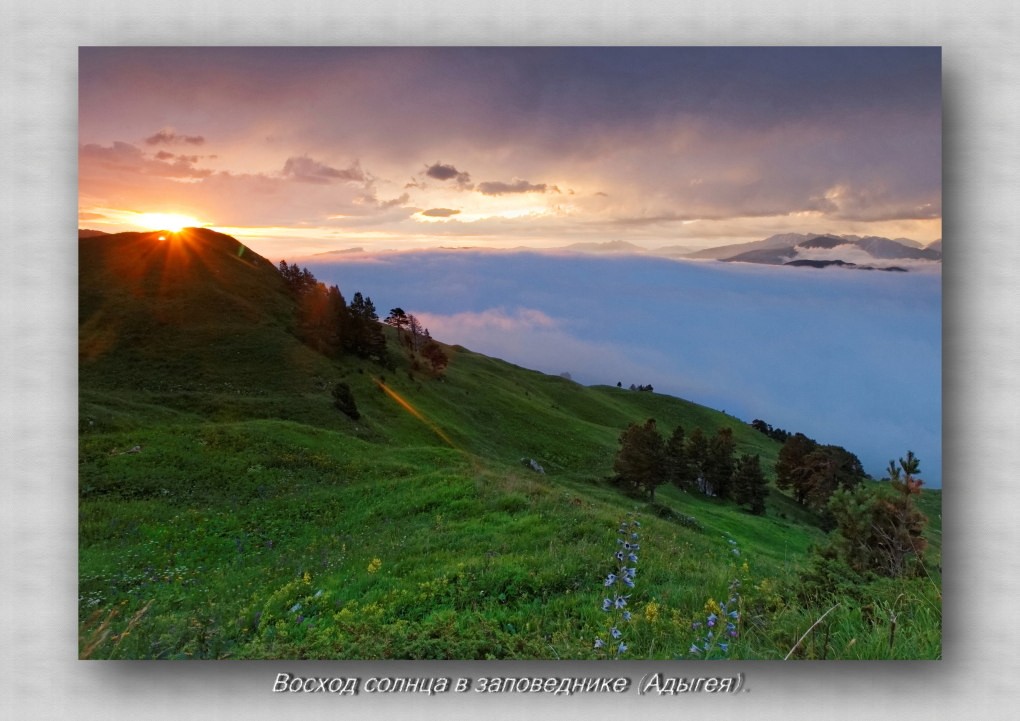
{"points": [[517, 186], [167, 156], [168, 136], [439, 212], [438, 171], [305, 170], [401, 200], [870, 204], [128, 158]]}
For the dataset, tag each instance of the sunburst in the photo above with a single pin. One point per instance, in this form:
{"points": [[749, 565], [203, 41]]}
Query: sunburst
{"points": [[172, 222]]}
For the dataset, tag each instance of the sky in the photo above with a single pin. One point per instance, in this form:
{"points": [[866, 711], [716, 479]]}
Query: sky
{"points": [[406, 153], [300, 150]]}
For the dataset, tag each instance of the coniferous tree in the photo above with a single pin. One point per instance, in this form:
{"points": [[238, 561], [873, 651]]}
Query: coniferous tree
{"points": [[366, 338], [719, 463], [898, 524], [697, 458], [399, 320], [749, 484], [678, 467], [881, 529], [639, 464], [790, 465], [814, 472], [827, 469], [337, 312]]}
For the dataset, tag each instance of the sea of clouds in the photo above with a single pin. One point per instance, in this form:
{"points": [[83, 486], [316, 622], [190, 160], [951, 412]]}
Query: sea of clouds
{"points": [[848, 357]]}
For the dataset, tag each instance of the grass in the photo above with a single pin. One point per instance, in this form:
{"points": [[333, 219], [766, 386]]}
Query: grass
{"points": [[228, 510]]}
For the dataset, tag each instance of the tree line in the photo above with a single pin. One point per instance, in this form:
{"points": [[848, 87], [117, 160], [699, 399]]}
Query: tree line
{"points": [[329, 324], [695, 463], [877, 528], [776, 434]]}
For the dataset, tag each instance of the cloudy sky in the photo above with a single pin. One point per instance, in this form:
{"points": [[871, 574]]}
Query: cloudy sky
{"points": [[299, 150], [405, 153]]}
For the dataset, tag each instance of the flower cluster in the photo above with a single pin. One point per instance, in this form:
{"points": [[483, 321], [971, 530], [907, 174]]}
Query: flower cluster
{"points": [[721, 625], [615, 606]]}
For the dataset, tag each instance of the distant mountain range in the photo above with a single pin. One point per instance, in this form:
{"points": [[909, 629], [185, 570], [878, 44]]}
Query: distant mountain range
{"points": [[795, 249], [807, 250]]}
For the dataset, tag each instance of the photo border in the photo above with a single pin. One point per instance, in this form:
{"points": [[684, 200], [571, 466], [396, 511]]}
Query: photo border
{"points": [[981, 77]]}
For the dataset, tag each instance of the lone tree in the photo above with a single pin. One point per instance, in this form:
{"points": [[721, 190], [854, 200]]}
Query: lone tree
{"points": [[397, 319], [640, 462]]}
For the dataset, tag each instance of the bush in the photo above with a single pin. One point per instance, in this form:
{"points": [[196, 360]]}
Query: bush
{"points": [[343, 399]]}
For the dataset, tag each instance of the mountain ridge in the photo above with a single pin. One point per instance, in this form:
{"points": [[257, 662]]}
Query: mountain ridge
{"points": [[230, 325]]}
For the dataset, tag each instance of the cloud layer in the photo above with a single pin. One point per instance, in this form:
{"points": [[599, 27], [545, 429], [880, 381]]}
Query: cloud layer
{"points": [[846, 357]]}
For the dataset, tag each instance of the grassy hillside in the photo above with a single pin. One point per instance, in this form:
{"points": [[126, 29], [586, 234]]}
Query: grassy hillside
{"points": [[228, 510]]}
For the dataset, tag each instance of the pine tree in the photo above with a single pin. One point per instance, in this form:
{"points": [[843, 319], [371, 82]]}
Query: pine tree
{"points": [[398, 319], [678, 467], [749, 485], [697, 458], [366, 338], [898, 524], [881, 529], [719, 463], [790, 465], [337, 312], [827, 469], [640, 462]]}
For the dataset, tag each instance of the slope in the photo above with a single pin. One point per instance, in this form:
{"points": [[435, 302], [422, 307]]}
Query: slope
{"points": [[228, 510]]}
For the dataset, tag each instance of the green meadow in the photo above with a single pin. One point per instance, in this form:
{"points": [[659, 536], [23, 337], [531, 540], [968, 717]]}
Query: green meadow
{"points": [[229, 510]]}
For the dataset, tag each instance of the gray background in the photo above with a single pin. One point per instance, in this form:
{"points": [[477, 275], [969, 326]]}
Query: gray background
{"points": [[40, 675]]}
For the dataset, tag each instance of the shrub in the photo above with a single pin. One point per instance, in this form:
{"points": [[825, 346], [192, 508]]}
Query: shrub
{"points": [[343, 399]]}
